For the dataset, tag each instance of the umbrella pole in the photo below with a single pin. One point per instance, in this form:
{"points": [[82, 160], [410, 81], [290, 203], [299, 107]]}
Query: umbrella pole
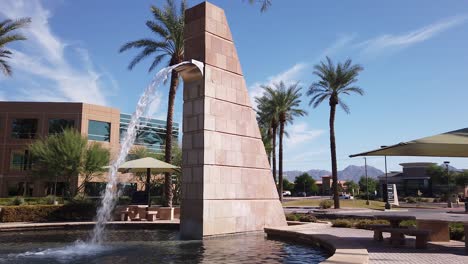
{"points": [[148, 188]]}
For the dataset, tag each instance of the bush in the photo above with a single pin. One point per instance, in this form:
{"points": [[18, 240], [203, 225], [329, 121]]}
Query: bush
{"points": [[308, 218], [292, 217], [18, 200], [81, 198], [456, 231], [411, 200], [408, 223], [42, 213], [124, 200], [325, 204], [364, 223], [342, 223]]}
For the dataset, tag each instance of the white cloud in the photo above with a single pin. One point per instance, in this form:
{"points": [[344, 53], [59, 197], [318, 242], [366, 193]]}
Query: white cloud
{"points": [[288, 76], [45, 57], [389, 41], [155, 106], [301, 133], [336, 46]]}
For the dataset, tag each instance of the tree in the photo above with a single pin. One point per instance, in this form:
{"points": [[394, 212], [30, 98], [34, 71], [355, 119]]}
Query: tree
{"points": [[305, 183], [68, 155], [264, 4], [282, 103], [168, 29], [269, 121], [371, 185], [334, 82], [353, 187], [287, 185], [7, 35]]}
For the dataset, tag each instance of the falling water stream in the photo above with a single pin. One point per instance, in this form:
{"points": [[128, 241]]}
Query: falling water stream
{"points": [[95, 243], [109, 200]]}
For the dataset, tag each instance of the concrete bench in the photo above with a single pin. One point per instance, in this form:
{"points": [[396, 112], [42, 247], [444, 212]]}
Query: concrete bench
{"points": [[378, 231], [151, 216], [398, 236]]}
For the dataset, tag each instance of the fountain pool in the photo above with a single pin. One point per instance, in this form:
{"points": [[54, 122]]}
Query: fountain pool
{"points": [[148, 246]]}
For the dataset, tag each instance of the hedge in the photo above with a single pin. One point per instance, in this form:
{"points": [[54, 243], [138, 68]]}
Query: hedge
{"points": [[43, 213]]}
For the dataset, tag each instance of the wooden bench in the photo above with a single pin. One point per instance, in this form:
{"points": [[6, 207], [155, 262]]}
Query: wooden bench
{"points": [[397, 236]]}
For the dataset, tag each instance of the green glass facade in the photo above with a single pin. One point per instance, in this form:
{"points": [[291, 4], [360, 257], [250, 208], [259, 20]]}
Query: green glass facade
{"points": [[151, 133]]}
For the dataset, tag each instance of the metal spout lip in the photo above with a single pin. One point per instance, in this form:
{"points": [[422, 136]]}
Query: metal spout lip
{"points": [[191, 70]]}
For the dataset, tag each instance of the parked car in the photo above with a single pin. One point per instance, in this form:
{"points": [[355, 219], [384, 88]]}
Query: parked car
{"points": [[301, 194], [346, 196], [286, 193]]}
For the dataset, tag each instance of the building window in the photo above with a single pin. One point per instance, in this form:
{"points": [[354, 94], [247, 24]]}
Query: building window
{"points": [[99, 131], [21, 160], [24, 128], [57, 125]]}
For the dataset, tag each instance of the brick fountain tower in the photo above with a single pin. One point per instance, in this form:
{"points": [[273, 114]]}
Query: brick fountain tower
{"points": [[227, 185]]}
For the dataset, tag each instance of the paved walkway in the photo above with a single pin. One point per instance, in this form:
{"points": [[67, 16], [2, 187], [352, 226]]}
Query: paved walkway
{"points": [[447, 252]]}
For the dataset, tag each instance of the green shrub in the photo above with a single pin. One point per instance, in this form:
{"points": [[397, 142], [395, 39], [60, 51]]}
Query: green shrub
{"points": [[411, 200], [124, 200], [342, 223], [42, 213], [81, 198], [456, 231], [292, 217], [307, 218], [364, 223], [18, 200], [427, 200], [325, 204], [408, 223]]}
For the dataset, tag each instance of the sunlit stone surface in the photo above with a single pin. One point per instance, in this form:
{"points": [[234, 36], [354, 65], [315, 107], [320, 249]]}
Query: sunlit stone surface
{"points": [[227, 186]]}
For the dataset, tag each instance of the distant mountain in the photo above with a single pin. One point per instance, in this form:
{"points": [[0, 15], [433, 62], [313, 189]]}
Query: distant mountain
{"points": [[351, 172]]}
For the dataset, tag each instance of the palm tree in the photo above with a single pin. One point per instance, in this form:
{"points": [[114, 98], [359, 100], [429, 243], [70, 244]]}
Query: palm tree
{"points": [[7, 36], [284, 105], [268, 119], [168, 29], [264, 4], [333, 82]]}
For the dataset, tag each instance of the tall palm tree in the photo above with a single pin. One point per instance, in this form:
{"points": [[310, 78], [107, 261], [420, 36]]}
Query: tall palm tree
{"points": [[168, 43], [264, 4], [334, 82], [285, 105], [7, 36], [268, 119]]}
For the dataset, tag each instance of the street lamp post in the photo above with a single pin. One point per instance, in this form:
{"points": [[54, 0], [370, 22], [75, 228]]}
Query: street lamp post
{"points": [[449, 201], [387, 204], [367, 180]]}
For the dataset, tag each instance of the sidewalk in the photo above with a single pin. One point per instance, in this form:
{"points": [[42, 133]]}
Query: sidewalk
{"points": [[358, 240]]}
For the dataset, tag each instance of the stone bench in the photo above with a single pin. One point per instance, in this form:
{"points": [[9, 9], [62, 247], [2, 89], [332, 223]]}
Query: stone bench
{"points": [[398, 236], [378, 231]]}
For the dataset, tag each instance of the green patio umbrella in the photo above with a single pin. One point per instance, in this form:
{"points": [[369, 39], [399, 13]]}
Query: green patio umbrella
{"points": [[450, 144]]}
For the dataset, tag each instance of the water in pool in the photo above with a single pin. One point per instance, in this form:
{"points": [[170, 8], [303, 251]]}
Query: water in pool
{"points": [[149, 246]]}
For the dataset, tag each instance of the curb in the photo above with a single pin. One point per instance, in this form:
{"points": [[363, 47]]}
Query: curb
{"points": [[342, 252]]}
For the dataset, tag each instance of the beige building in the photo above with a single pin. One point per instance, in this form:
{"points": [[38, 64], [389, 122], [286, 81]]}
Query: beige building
{"points": [[23, 122]]}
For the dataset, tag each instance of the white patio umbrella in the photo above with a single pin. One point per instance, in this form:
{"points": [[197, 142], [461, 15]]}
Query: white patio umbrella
{"points": [[148, 165]]}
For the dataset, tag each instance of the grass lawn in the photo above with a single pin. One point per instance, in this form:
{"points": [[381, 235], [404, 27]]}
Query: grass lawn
{"points": [[343, 203]]}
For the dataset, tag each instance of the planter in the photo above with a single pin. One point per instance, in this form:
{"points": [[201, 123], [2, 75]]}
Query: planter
{"points": [[177, 212], [166, 213]]}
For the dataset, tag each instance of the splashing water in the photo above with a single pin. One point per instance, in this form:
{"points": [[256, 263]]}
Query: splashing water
{"points": [[110, 196]]}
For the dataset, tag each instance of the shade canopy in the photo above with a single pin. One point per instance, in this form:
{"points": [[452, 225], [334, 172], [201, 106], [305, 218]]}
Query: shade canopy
{"points": [[450, 144], [141, 165]]}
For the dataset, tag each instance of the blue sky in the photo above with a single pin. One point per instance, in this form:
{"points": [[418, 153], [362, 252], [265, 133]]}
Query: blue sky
{"points": [[414, 54]]}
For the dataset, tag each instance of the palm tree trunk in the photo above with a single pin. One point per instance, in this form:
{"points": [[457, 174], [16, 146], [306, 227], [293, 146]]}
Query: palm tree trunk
{"points": [[274, 153], [280, 184], [168, 149], [270, 132], [333, 156]]}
